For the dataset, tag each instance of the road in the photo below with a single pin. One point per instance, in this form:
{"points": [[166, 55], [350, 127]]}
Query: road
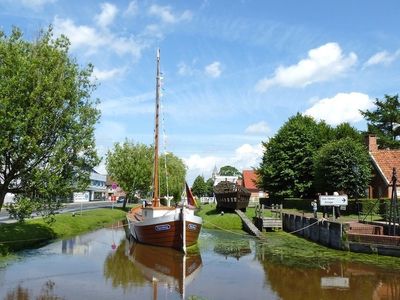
{"points": [[68, 208]]}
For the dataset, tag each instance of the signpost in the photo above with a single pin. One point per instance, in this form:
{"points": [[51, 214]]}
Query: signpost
{"points": [[333, 200], [81, 197]]}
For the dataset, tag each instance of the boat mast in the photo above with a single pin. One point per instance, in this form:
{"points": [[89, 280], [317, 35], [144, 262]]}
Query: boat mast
{"points": [[156, 193]]}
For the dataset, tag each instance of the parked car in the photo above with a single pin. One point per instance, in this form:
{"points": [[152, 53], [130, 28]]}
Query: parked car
{"points": [[121, 199]]}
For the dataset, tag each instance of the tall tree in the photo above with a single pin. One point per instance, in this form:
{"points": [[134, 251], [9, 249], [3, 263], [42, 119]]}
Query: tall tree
{"points": [[229, 171], [342, 165], [199, 187], [130, 165], [345, 130], [47, 118], [210, 187], [384, 121], [175, 176], [287, 164]]}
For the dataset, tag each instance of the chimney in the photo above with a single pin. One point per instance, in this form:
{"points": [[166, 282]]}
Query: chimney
{"points": [[371, 142]]}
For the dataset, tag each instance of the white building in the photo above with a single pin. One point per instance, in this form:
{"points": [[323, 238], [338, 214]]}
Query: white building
{"points": [[218, 178], [9, 198], [96, 191]]}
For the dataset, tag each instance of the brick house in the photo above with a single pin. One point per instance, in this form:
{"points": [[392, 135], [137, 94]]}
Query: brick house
{"points": [[383, 161], [249, 182]]}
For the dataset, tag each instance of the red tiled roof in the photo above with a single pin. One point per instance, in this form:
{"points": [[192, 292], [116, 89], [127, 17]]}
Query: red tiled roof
{"points": [[250, 179], [386, 160]]}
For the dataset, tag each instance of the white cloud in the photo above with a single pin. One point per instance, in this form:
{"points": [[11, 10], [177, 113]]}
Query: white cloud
{"points": [[79, 36], [107, 15], [343, 107], [258, 128], [107, 74], [132, 9], [213, 70], [322, 64], [247, 156], [184, 69], [244, 157], [201, 164], [91, 39], [383, 57], [153, 30], [167, 16]]}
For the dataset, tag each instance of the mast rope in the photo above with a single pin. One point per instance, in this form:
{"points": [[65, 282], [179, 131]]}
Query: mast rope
{"points": [[164, 134], [316, 222]]}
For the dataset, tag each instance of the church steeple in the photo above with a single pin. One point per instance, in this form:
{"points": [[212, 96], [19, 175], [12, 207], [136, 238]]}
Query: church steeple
{"points": [[214, 173]]}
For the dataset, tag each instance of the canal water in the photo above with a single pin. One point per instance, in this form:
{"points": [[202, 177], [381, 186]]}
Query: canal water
{"points": [[104, 265]]}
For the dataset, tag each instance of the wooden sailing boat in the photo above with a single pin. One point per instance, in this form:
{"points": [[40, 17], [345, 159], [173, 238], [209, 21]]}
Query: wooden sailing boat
{"points": [[166, 226]]}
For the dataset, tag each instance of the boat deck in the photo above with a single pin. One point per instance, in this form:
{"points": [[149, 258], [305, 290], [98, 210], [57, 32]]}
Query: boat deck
{"points": [[135, 214]]}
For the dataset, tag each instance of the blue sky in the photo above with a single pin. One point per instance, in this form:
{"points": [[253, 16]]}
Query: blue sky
{"points": [[234, 71]]}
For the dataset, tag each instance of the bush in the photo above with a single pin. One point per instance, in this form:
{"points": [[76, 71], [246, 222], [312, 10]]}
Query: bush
{"points": [[297, 203], [354, 206], [22, 209]]}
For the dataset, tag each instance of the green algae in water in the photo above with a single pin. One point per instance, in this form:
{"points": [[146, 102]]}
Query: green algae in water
{"points": [[233, 248], [291, 250]]}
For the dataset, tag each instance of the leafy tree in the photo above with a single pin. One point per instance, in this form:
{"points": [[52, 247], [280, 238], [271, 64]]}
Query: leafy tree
{"points": [[342, 165], [199, 187], [287, 164], [47, 119], [210, 187], [130, 165], [229, 171], [345, 130], [22, 208], [176, 173], [384, 121]]}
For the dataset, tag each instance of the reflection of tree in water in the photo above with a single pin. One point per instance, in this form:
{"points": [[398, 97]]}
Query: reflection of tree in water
{"points": [[120, 270], [21, 293], [235, 249], [298, 282]]}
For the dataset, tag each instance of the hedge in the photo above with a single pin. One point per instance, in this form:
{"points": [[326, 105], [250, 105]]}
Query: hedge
{"points": [[365, 206]]}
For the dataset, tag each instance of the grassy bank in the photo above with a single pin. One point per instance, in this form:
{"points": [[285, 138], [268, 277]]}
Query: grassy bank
{"points": [[212, 219], [35, 233]]}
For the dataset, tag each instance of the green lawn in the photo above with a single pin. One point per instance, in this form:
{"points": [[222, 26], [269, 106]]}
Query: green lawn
{"points": [[213, 219], [34, 233]]}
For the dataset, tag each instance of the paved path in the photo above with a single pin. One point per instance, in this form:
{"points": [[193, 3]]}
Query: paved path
{"points": [[68, 208]]}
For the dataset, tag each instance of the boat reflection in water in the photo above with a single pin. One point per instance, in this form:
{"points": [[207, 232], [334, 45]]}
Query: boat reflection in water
{"points": [[165, 266]]}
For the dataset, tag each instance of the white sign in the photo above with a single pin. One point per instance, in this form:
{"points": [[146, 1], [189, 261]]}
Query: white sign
{"points": [[81, 197], [333, 200], [335, 282]]}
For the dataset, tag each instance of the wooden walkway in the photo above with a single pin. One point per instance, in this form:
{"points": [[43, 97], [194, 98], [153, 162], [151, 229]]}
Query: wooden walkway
{"points": [[262, 222], [248, 225]]}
